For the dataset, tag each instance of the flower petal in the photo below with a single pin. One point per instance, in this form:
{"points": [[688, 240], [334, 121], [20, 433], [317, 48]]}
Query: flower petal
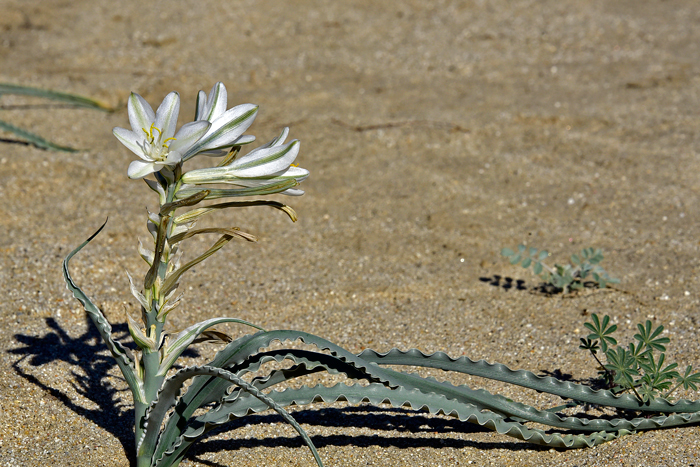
{"points": [[225, 175], [201, 105], [225, 129], [216, 102], [293, 192], [166, 115], [292, 173], [131, 140], [266, 161], [189, 134], [140, 113], [277, 141], [244, 139], [173, 158], [216, 193], [139, 169]]}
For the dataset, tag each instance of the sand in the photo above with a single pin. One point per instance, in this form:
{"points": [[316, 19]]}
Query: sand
{"points": [[436, 134]]}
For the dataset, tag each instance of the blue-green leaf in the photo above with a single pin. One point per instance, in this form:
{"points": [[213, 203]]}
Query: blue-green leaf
{"points": [[180, 342], [120, 353]]}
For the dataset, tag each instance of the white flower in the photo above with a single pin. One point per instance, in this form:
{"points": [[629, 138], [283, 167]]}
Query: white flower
{"points": [[152, 136], [267, 165], [227, 126]]}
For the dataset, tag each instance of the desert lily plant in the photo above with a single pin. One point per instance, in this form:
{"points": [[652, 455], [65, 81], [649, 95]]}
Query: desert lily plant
{"points": [[170, 418]]}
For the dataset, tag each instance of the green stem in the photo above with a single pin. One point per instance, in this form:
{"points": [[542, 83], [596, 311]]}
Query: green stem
{"points": [[154, 328], [666, 396], [607, 373]]}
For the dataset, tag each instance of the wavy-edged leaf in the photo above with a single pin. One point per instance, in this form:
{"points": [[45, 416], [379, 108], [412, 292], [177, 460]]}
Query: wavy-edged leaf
{"points": [[170, 391], [180, 342], [238, 352], [120, 353], [241, 356], [547, 384], [241, 404]]}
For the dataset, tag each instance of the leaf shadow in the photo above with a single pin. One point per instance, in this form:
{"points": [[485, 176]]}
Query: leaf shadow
{"points": [[377, 418], [87, 353], [14, 141], [93, 367]]}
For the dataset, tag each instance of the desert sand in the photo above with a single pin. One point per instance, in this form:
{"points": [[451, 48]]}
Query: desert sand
{"points": [[436, 134]]}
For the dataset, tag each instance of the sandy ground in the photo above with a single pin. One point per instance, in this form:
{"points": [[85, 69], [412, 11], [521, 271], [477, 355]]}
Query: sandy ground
{"points": [[436, 133]]}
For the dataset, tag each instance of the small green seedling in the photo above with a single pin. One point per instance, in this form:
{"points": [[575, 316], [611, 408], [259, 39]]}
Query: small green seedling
{"points": [[584, 267], [639, 367]]}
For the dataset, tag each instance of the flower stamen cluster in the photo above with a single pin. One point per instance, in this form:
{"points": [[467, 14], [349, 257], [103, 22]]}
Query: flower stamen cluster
{"points": [[156, 150]]}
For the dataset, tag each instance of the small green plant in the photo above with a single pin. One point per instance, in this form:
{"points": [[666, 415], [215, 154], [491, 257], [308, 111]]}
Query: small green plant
{"points": [[640, 367], [584, 267], [72, 100]]}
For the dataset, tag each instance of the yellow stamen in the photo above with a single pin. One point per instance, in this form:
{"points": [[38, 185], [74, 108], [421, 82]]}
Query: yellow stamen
{"points": [[148, 135]]}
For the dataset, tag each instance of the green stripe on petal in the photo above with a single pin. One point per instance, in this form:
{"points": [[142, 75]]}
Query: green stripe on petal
{"points": [[141, 113], [266, 161], [226, 175], [166, 115], [216, 104], [225, 129], [215, 193]]}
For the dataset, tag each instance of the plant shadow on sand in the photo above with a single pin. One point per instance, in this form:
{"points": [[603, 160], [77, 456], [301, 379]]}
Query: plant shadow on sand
{"points": [[88, 354]]}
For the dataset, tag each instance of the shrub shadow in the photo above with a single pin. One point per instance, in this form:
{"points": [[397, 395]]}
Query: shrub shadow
{"points": [[506, 283]]}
